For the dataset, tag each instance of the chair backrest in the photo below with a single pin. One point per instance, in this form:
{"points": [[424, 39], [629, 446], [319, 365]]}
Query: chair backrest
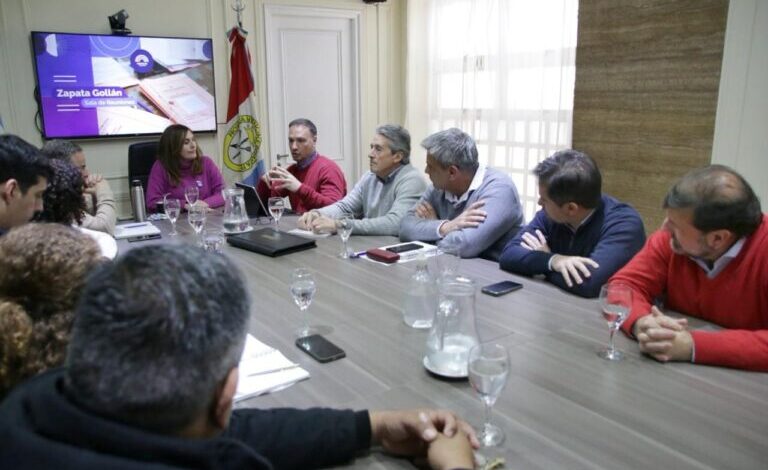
{"points": [[141, 157]]}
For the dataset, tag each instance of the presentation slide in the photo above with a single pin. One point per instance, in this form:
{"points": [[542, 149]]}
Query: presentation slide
{"points": [[94, 85]]}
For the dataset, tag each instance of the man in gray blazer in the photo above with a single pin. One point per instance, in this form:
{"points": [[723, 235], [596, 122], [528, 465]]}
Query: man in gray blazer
{"points": [[382, 196], [475, 205]]}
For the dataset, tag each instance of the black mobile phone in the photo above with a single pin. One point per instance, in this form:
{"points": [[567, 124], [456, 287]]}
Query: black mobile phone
{"points": [[501, 288], [143, 238], [404, 247], [320, 348]]}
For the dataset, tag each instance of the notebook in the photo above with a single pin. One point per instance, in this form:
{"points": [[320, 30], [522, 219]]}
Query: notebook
{"points": [[270, 242], [135, 230], [254, 206]]}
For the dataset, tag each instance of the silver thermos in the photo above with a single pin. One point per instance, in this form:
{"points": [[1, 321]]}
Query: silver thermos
{"points": [[137, 201]]}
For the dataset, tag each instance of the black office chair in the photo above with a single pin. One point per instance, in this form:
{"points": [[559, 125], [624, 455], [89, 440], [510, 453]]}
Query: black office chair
{"points": [[141, 157]]}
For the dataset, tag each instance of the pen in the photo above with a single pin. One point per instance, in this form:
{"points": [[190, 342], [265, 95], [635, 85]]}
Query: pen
{"points": [[140, 224], [272, 371], [357, 254]]}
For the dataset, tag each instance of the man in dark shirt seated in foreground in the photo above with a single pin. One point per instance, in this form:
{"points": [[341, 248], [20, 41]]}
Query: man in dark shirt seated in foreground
{"points": [[151, 373], [580, 237]]}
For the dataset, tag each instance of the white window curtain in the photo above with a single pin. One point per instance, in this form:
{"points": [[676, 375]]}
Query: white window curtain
{"points": [[502, 71]]}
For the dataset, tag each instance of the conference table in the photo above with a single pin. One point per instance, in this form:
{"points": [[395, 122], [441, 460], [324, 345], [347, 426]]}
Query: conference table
{"points": [[563, 407]]}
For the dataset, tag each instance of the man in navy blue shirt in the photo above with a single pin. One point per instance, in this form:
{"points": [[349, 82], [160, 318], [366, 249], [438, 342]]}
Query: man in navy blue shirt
{"points": [[580, 237]]}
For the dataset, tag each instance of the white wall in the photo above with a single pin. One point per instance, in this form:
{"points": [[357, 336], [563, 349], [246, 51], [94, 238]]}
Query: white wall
{"points": [[381, 62], [741, 125]]}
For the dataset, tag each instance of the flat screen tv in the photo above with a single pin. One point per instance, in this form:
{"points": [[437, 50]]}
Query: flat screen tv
{"points": [[98, 85]]}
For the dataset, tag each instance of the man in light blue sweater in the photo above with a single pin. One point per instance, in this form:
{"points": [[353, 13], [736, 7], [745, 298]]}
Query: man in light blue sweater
{"points": [[382, 196], [477, 206]]}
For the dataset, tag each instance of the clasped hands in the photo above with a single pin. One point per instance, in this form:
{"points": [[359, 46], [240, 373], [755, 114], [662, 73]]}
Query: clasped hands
{"points": [[572, 268], [664, 338], [316, 222], [279, 178], [444, 439], [472, 216]]}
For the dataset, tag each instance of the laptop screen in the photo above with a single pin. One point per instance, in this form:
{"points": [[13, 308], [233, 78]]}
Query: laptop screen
{"points": [[253, 203]]}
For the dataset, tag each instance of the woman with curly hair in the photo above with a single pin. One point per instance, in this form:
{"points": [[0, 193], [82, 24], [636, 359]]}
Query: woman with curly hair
{"points": [[63, 203], [43, 268], [63, 197]]}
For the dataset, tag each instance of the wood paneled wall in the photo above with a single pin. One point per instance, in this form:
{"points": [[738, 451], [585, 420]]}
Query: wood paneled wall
{"points": [[647, 77]]}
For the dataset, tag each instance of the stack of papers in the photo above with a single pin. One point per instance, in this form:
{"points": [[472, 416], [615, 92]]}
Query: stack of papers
{"points": [[264, 369], [137, 229]]}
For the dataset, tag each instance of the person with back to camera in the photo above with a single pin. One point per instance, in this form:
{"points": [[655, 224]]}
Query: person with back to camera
{"points": [[42, 271], [181, 164], [152, 370]]}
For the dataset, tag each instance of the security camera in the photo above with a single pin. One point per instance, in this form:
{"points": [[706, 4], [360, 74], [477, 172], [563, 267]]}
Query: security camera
{"points": [[117, 23]]}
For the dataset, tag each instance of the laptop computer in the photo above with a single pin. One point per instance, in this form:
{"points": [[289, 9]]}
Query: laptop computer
{"points": [[270, 242], [254, 206]]}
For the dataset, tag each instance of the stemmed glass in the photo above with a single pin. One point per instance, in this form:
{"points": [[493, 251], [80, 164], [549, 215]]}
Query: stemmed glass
{"points": [[488, 371], [172, 210], [191, 193], [615, 303], [344, 228], [303, 290], [196, 218], [449, 251], [276, 208]]}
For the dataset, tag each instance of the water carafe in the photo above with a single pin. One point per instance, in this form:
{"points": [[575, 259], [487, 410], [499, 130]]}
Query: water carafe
{"points": [[420, 297], [235, 216], [454, 331]]}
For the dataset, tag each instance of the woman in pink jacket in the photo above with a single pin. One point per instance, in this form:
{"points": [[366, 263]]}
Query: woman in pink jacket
{"points": [[180, 164]]}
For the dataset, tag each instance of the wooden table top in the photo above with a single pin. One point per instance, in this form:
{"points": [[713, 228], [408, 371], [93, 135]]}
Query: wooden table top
{"points": [[563, 406]]}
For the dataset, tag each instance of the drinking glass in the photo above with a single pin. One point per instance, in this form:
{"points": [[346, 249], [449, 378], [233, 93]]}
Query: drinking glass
{"points": [[276, 208], [196, 218], [303, 290], [213, 240], [172, 210], [488, 371], [615, 303], [344, 228], [191, 193]]}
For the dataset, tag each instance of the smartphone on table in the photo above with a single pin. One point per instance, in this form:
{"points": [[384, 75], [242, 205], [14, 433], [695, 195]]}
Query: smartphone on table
{"points": [[320, 348], [404, 248], [500, 288]]}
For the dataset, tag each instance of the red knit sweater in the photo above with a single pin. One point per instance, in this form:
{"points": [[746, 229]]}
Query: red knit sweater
{"points": [[322, 184], [736, 299]]}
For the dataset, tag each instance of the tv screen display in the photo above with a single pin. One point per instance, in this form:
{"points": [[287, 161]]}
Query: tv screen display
{"points": [[98, 85]]}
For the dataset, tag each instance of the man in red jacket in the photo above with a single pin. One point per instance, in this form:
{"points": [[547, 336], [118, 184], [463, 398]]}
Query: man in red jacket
{"points": [[710, 260], [314, 181]]}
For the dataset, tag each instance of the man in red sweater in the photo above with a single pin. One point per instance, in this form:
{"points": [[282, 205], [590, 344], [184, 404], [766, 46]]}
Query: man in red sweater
{"points": [[710, 260], [314, 181]]}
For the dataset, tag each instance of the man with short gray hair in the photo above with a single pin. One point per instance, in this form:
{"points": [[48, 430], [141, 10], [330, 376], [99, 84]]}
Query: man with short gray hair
{"points": [[100, 211], [151, 375], [379, 201], [475, 205]]}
